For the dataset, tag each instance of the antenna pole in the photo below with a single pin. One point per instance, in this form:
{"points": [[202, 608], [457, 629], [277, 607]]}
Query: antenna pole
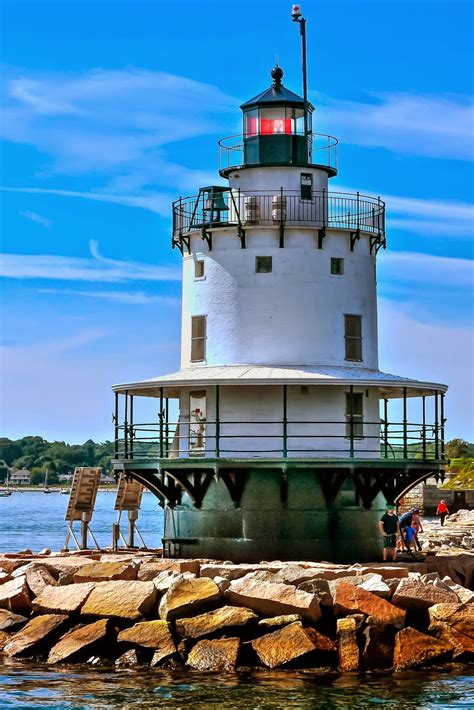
{"points": [[298, 17]]}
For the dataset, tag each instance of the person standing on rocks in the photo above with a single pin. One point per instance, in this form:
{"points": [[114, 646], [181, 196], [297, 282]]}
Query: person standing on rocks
{"points": [[389, 528], [416, 523], [442, 511]]}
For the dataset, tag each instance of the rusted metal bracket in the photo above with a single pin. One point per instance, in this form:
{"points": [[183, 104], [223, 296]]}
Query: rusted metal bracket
{"points": [[207, 237], [321, 237], [354, 237]]}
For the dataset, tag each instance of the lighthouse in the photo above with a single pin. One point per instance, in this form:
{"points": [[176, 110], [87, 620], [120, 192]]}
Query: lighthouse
{"points": [[279, 437]]}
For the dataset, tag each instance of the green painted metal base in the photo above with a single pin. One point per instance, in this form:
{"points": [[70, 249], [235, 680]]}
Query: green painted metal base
{"points": [[284, 518]]}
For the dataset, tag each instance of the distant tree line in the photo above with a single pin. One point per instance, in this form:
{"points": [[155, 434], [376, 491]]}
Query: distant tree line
{"points": [[38, 455]]}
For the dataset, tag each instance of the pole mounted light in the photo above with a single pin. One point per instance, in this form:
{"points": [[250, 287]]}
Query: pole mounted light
{"points": [[296, 16]]}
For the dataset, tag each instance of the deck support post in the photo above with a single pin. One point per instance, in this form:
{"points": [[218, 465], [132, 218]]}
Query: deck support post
{"points": [[436, 412], [351, 421], [131, 426], [116, 424], [405, 423], [423, 430], [285, 421], [385, 418], [125, 426], [161, 422], [218, 423], [442, 426]]}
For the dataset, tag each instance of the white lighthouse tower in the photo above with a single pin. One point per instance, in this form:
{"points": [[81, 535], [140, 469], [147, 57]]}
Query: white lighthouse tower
{"points": [[283, 446]]}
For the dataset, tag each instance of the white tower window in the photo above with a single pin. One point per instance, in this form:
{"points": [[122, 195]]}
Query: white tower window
{"points": [[199, 269], [198, 338], [355, 413], [263, 264], [353, 337], [337, 266]]}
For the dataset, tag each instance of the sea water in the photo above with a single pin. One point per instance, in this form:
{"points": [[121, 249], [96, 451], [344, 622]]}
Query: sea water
{"points": [[36, 520]]}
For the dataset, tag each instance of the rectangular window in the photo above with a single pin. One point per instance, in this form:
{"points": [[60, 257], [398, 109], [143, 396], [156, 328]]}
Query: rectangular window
{"points": [[198, 269], [198, 338], [263, 264], [353, 337], [337, 266], [355, 407], [306, 186]]}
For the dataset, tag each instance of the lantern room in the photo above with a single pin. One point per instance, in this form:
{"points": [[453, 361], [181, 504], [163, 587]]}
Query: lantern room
{"points": [[274, 126]]}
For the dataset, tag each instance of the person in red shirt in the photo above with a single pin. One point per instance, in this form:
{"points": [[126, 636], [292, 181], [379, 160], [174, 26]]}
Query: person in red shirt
{"points": [[442, 511]]}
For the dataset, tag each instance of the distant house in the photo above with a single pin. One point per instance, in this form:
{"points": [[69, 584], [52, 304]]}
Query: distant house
{"points": [[20, 477]]}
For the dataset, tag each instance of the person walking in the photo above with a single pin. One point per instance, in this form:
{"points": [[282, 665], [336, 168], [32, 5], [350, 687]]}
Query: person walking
{"points": [[442, 511], [389, 528]]}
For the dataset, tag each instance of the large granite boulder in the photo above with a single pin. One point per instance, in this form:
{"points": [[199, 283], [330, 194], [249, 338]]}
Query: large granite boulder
{"points": [[290, 642], [458, 616], [81, 641], [106, 571], [62, 600], [150, 634], [15, 595], [214, 654], [37, 578], [4, 639], [350, 599], [132, 600], [347, 644], [212, 621], [273, 599], [151, 568], [35, 635], [415, 595], [378, 640], [188, 595], [10, 621], [412, 648]]}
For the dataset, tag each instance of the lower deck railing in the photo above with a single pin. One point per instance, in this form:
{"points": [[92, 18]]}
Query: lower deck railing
{"points": [[280, 439]]}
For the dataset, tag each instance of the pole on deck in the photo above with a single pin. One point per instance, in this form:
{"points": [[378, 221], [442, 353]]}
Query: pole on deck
{"points": [[351, 421], [161, 422], [442, 426], [436, 426], [218, 423], [405, 427], [285, 421], [385, 418]]}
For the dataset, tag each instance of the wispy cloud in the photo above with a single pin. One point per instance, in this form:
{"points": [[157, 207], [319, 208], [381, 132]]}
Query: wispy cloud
{"points": [[438, 289], [94, 269], [427, 216], [126, 297], [108, 122], [154, 202], [35, 217], [434, 126]]}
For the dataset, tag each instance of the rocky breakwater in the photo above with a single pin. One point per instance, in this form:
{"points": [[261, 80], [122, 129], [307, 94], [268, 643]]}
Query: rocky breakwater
{"points": [[456, 535], [136, 609]]}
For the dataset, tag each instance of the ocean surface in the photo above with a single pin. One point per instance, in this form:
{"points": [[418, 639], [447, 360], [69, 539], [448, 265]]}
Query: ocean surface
{"points": [[36, 520]]}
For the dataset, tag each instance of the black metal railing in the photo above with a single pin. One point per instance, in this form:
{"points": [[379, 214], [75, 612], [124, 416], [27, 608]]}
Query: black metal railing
{"points": [[351, 438], [242, 208], [322, 150]]}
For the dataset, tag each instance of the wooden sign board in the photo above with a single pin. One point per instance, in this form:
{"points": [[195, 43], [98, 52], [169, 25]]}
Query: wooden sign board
{"points": [[129, 494], [85, 484]]}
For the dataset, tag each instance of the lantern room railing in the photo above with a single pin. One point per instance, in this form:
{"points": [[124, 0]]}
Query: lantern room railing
{"points": [[220, 207], [322, 150]]}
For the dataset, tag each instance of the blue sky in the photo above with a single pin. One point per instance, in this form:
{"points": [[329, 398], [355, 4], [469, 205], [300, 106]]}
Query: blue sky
{"points": [[113, 109]]}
